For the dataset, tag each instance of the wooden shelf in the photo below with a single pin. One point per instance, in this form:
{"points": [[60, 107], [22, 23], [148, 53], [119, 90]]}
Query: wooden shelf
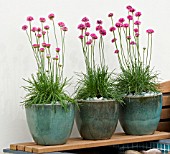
{"points": [[78, 143]]}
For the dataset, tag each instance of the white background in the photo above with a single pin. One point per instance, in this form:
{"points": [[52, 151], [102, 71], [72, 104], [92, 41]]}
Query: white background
{"points": [[16, 58]]}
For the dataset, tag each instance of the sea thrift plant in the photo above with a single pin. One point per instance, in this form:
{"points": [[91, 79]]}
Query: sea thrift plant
{"points": [[97, 82], [47, 85], [136, 76]]}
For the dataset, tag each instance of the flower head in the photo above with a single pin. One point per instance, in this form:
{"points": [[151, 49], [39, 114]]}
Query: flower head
{"points": [[30, 18], [48, 55], [130, 17], [65, 29], [38, 29], [89, 42], [138, 14], [129, 7], [61, 24], [85, 19], [116, 51], [121, 20], [87, 33], [99, 22], [81, 26], [110, 15], [55, 58], [126, 25], [42, 49], [43, 32], [132, 43], [44, 44], [46, 27], [136, 30], [113, 40], [137, 22], [99, 27], [57, 49], [34, 29], [137, 34], [112, 29], [102, 32], [81, 37], [132, 10], [150, 31], [128, 37], [51, 16], [94, 36], [87, 25], [35, 45], [39, 35], [42, 19], [118, 24], [48, 45], [24, 27]]}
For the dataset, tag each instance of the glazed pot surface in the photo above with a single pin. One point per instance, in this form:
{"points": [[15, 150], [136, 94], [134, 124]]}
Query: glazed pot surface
{"points": [[50, 124], [140, 115], [97, 119]]}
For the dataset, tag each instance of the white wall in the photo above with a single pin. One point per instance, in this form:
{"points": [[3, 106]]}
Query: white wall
{"points": [[17, 62]]}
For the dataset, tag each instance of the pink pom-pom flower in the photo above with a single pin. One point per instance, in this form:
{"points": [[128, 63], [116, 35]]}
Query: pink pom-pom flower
{"points": [[85, 19], [138, 14], [24, 27], [94, 36], [61, 24], [30, 18], [51, 16], [110, 15], [117, 51], [42, 19], [150, 31]]}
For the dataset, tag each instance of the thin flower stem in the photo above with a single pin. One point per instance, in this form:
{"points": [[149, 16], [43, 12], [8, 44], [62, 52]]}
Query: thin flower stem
{"points": [[150, 49], [55, 33]]}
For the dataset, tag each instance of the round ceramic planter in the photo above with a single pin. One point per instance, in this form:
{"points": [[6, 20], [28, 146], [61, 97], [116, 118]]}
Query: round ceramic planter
{"points": [[140, 115], [97, 120], [50, 124]]}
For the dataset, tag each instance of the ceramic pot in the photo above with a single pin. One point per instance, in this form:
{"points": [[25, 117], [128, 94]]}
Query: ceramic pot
{"points": [[50, 124], [140, 115], [97, 120]]}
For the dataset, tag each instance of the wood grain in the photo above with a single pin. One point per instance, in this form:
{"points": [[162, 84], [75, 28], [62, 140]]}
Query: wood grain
{"points": [[164, 87], [166, 100], [164, 126], [165, 113], [78, 143]]}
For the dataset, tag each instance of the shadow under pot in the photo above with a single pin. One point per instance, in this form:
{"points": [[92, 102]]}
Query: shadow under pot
{"points": [[97, 120], [140, 115], [50, 124]]}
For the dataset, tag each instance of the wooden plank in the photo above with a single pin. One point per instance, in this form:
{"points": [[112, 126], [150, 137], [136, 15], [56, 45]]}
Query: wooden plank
{"points": [[164, 126], [15, 146], [22, 147], [31, 147], [78, 143], [164, 87], [165, 113], [166, 100]]}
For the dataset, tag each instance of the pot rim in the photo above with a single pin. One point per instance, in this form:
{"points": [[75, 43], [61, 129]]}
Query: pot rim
{"points": [[143, 96], [56, 104], [95, 101]]}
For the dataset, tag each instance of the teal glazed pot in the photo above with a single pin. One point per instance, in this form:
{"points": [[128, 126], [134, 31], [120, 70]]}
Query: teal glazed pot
{"points": [[140, 115], [97, 120], [50, 124]]}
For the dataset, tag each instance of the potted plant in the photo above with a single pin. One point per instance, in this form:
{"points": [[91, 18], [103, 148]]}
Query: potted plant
{"points": [[49, 110], [141, 111], [97, 116]]}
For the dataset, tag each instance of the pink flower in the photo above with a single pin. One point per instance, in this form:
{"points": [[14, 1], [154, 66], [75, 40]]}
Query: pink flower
{"points": [[57, 49], [42, 19], [138, 14], [38, 29], [89, 42], [128, 7], [24, 27], [61, 24], [81, 26], [46, 27], [55, 58], [48, 45], [125, 25], [130, 17], [150, 31], [85, 19], [132, 43], [117, 51], [136, 30], [112, 29], [87, 24], [43, 32], [34, 29], [39, 35], [99, 27], [30, 18], [118, 24], [137, 34], [113, 40], [121, 20], [132, 10], [36, 45], [102, 32], [137, 22], [128, 37], [65, 29], [110, 15], [44, 44], [48, 56], [51, 16], [99, 22], [87, 33], [42, 49], [81, 37], [94, 36]]}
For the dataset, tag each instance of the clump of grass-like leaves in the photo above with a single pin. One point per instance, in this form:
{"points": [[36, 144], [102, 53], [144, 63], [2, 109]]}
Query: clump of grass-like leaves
{"points": [[97, 83]]}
